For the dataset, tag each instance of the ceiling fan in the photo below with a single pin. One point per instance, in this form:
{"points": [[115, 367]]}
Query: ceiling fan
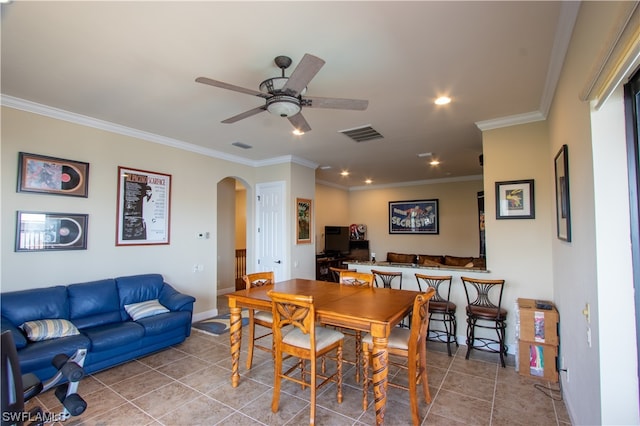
{"points": [[284, 96]]}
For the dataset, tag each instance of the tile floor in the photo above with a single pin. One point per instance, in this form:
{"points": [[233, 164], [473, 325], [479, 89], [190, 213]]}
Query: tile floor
{"points": [[189, 384]]}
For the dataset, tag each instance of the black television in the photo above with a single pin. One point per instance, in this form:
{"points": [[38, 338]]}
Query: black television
{"points": [[336, 240]]}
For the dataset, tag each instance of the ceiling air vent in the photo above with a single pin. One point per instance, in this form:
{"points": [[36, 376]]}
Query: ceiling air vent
{"points": [[241, 145], [362, 134]]}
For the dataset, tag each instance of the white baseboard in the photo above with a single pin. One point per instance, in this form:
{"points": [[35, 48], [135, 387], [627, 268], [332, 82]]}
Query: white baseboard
{"points": [[204, 315]]}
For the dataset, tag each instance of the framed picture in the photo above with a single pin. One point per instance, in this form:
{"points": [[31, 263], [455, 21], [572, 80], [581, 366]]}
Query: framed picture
{"points": [[414, 217], [514, 200], [303, 211], [144, 203], [563, 206], [38, 173], [37, 231]]}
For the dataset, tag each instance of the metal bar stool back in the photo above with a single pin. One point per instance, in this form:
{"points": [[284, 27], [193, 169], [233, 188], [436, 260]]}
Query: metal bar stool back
{"points": [[483, 313], [441, 309], [386, 278]]}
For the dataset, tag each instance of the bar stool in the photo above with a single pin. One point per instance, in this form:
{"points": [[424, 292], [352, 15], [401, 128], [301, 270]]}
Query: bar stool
{"points": [[441, 309], [356, 279], [410, 345], [256, 317], [296, 333], [386, 278], [483, 313]]}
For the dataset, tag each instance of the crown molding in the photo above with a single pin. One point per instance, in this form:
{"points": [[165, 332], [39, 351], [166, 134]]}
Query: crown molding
{"points": [[564, 30], [286, 159], [71, 117], [401, 184], [512, 120]]}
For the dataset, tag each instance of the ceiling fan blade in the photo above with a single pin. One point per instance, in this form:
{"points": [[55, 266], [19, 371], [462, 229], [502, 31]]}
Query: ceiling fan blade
{"points": [[245, 114], [302, 75], [336, 103], [216, 83], [299, 122]]}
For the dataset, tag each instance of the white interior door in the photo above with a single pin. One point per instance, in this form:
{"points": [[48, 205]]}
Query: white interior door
{"points": [[271, 232]]}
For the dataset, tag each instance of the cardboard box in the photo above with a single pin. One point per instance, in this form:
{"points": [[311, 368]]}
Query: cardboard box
{"points": [[538, 325], [538, 361]]}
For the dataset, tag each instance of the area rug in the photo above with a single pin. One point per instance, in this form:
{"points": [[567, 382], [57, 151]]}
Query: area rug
{"points": [[219, 325]]}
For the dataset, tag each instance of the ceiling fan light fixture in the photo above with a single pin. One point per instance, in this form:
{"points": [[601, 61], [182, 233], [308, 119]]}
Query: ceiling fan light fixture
{"points": [[283, 105]]}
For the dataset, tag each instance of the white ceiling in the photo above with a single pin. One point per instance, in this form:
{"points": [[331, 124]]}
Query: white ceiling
{"points": [[133, 64]]}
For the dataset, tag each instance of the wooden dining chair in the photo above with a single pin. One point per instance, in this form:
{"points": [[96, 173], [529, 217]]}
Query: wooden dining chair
{"points": [[411, 345], [335, 273], [441, 309], [358, 279], [262, 318], [295, 333]]}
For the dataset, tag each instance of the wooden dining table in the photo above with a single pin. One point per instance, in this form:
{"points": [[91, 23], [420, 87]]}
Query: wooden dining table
{"points": [[372, 310]]}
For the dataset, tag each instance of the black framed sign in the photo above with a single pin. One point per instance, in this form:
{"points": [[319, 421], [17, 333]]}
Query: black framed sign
{"points": [[38, 231], [50, 175], [563, 206], [414, 217], [144, 202], [514, 200]]}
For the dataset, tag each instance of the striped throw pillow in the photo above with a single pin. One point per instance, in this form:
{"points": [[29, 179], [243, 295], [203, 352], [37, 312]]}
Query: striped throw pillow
{"points": [[48, 329], [145, 309]]}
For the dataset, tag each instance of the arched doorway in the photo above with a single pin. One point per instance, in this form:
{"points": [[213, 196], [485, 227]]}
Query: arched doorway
{"points": [[231, 237]]}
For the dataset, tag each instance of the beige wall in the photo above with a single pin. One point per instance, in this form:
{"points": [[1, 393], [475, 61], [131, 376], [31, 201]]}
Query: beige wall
{"points": [[193, 208], [225, 235], [458, 206], [601, 385], [332, 209], [518, 250], [241, 219]]}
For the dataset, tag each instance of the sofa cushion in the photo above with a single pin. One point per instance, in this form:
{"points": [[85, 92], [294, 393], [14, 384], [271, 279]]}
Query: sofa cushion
{"points": [[162, 323], [19, 307], [106, 337], [146, 309], [94, 303], [38, 355], [18, 336], [430, 260], [457, 261], [401, 258], [48, 329], [479, 262]]}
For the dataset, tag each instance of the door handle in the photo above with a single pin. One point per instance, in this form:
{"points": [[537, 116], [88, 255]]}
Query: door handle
{"points": [[278, 261]]}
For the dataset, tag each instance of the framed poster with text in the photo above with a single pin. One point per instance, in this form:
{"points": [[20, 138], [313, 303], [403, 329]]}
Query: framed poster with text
{"points": [[144, 202], [414, 217]]}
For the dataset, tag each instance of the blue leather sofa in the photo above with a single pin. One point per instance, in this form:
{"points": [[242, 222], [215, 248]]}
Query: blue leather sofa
{"points": [[97, 309]]}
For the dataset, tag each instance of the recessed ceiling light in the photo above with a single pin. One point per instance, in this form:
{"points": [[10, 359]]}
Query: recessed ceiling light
{"points": [[344, 173], [297, 132], [434, 162], [442, 100], [368, 181]]}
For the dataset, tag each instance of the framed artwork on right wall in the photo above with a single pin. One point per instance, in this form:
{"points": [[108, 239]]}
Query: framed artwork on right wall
{"points": [[563, 205]]}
